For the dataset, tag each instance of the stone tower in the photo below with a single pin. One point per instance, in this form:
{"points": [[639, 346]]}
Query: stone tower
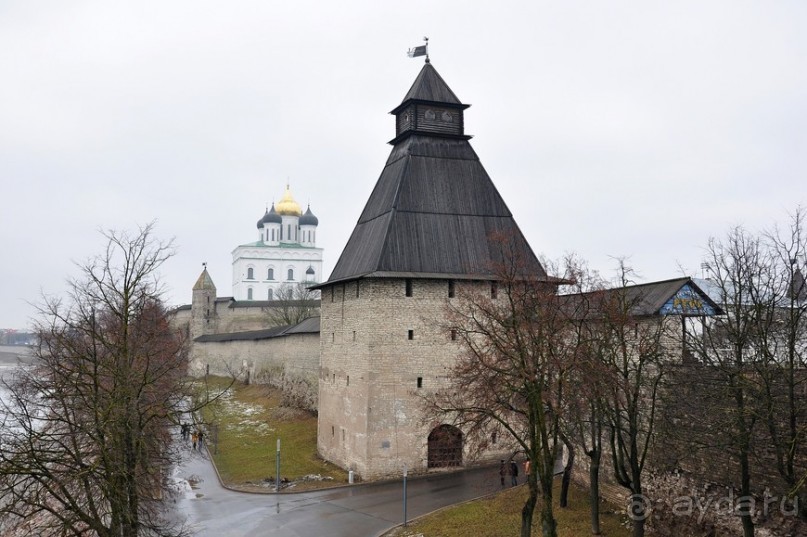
{"points": [[204, 318], [425, 233]]}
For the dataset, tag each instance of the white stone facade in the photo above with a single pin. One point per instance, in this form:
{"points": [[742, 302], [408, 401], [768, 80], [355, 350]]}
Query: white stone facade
{"points": [[260, 270], [285, 254]]}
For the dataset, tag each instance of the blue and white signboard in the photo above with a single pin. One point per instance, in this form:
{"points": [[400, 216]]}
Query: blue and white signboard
{"points": [[687, 301]]}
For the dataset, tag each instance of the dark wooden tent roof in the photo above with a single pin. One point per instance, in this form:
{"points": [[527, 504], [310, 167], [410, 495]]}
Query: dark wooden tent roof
{"points": [[272, 304], [647, 299], [307, 326], [429, 86], [434, 211], [250, 335], [642, 300]]}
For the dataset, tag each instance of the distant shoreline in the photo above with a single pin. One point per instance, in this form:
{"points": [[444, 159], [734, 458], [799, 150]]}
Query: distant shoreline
{"points": [[15, 354]]}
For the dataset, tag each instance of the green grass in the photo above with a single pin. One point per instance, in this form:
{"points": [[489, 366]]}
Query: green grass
{"points": [[249, 421], [500, 516]]}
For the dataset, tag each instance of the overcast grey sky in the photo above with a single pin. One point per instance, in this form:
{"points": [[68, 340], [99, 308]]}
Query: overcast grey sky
{"points": [[615, 128]]}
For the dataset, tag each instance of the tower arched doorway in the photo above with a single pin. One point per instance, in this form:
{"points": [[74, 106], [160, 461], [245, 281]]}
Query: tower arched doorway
{"points": [[445, 447]]}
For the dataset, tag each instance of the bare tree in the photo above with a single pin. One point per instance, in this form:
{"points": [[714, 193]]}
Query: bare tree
{"points": [[292, 304], [740, 269], [783, 343], [632, 357], [746, 396], [513, 373], [87, 445], [584, 414], [589, 424]]}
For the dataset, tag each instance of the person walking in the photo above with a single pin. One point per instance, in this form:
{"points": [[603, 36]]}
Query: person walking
{"points": [[201, 439], [513, 473], [502, 472], [194, 439]]}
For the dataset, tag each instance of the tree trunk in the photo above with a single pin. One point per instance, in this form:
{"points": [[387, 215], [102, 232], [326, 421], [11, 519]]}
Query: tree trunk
{"points": [[548, 524], [594, 480], [744, 440], [745, 491], [567, 475], [529, 508], [639, 507], [801, 498], [547, 476]]}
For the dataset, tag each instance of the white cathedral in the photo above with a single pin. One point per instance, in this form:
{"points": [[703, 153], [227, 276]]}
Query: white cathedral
{"points": [[284, 255]]}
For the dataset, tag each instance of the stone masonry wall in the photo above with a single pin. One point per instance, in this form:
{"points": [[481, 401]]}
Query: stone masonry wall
{"points": [[371, 417], [289, 362], [223, 319], [692, 474]]}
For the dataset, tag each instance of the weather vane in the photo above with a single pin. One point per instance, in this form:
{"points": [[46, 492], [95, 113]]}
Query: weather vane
{"points": [[422, 50]]}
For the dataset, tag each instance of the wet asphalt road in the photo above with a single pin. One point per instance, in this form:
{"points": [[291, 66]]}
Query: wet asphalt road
{"points": [[357, 511]]}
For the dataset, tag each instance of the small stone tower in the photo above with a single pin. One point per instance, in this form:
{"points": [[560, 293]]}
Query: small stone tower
{"points": [[426, 233], [204, 318]]}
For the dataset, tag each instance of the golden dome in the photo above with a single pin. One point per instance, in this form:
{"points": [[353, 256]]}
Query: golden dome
{"points": [[287, 206]]}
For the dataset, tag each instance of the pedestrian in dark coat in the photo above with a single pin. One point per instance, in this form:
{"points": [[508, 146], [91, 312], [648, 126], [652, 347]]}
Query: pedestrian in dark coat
{"points": [[513, 473], [502, 471]]}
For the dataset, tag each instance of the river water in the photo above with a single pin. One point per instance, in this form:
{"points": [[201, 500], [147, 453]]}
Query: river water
{"points": [[11, 357]]}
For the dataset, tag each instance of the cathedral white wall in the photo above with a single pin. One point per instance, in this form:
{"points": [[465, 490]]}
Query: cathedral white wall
{"points": [[281, 260], [269, 234], [308, 235], [289, 233]]}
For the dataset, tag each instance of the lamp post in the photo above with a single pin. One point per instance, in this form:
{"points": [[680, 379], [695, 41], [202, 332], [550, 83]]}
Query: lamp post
{"points": [[277, 467], [404, 495]]}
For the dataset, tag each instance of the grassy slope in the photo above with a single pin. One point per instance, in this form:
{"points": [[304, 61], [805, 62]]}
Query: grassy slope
{"points": [[500, 516], [250, 420]]}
